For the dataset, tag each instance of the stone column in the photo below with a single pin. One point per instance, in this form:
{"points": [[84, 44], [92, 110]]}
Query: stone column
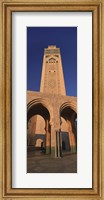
{"points": [[31, 133], [48, 138], [55, 126], [59, 144], [53, 141], [71, 137]]}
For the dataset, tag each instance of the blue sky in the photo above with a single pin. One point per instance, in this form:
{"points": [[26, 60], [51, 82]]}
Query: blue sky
{"points": [[64, 38]]}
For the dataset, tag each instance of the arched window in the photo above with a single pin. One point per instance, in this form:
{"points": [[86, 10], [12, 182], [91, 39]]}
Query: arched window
{"points": [[52, 60]]}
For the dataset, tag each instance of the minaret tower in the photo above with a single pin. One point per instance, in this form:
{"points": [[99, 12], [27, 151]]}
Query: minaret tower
{"points": [[52, 79]]}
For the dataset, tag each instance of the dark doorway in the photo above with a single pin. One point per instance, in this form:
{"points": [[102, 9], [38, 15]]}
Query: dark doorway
{"points": [[63, 145]]}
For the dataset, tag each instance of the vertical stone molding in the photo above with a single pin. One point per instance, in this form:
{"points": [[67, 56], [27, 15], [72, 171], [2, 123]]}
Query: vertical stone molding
{"points": [[48, 137]]}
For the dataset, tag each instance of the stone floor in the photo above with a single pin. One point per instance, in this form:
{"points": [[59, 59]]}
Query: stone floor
{"points": [[38, 162]]}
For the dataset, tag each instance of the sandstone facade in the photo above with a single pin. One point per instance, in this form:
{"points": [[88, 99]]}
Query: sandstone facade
{"points": [[51, 115]]}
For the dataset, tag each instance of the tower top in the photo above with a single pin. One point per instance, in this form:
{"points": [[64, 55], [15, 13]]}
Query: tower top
{"points": [[52, 49]]}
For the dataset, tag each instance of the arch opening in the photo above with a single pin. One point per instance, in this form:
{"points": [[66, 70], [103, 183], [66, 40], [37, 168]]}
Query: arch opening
{"points": [[69, 133], [38, 109], [38, 128]]}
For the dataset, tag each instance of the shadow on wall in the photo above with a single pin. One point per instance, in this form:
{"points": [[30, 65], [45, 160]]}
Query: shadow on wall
{"points": [[39, 141], [65, 141]]}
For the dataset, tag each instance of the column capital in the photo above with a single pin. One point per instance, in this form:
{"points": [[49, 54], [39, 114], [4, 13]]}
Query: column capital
{"points": [[51, 122], [57, 129]]}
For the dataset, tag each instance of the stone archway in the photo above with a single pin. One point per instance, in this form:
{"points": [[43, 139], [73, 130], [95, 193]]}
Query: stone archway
{"points": [[35, 108], [68, 112]]}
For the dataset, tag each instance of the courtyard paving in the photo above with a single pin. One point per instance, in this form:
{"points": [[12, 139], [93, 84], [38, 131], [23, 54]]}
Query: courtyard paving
{"points": [[38, 162]]}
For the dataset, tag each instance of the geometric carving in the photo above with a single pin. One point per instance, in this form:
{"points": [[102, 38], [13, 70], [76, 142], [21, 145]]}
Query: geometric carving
{"points": [[51, 83]]}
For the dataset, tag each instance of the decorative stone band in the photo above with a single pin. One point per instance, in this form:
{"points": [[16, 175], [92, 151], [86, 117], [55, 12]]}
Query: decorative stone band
{"points": [[52, 51]]}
